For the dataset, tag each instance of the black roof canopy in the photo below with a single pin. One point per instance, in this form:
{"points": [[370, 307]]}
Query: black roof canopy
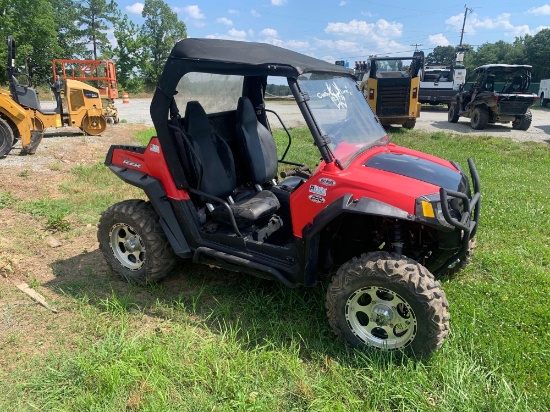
{"points": [[239, 57]]}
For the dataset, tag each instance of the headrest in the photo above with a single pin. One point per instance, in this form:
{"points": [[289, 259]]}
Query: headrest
{"points": [[196, 121]]}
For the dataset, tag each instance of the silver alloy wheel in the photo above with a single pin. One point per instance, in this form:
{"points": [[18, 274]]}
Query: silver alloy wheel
{"points": [[381, 318], [127, 246]]}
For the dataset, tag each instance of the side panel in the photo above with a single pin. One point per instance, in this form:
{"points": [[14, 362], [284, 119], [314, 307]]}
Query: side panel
{"points": [[149, 160], [369, 88]]}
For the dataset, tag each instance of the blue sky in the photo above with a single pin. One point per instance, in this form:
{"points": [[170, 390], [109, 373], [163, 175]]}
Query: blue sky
{"points": [[354, 29]]}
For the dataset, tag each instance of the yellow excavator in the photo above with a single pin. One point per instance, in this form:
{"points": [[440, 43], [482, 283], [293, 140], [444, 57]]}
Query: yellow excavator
{"points": [[22, 118]]}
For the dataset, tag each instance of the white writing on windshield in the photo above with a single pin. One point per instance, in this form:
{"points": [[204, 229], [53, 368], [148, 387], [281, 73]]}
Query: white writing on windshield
{"points": [[336, 95]]}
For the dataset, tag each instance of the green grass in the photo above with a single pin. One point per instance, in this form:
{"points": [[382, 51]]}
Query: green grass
{"points": [[88, 191], [207, 339]]}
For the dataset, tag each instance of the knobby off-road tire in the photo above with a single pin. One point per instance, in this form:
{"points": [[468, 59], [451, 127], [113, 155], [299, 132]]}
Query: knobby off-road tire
{"points": [[523, 122], [480, 118], [387, 302], [452, 114], [6, 138], [133, 242], [461, 264]]}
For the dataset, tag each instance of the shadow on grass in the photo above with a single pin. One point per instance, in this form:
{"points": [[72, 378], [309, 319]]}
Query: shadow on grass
{"points": [[260, 312]]}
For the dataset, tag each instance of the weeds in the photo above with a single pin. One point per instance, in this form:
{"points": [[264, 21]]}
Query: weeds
{"points": [[6, 199]]}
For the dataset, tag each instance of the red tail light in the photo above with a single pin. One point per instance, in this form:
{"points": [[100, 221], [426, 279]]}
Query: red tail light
{"points": [[535, 99], [415, 93], [371, 94]]}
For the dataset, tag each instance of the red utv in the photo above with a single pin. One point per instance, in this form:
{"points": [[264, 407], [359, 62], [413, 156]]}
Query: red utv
{"points": [[389, 218]]}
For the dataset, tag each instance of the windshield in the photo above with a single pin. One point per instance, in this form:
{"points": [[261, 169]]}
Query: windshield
{"points": [[342, 115]]}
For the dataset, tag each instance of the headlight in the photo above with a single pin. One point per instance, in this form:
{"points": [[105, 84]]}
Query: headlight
{"points": [[428, 210]]}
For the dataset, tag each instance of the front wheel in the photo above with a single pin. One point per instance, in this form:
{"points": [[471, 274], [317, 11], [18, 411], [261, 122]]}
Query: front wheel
{"points": [[133, 242], [452, 114], [94, 125], [382, 301]]}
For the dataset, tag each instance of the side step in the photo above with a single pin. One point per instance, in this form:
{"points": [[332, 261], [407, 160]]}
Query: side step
{"points": [[237, 264]]}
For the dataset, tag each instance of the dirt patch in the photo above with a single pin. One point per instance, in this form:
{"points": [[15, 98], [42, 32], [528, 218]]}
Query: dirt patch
{"points": [[29, 252]]}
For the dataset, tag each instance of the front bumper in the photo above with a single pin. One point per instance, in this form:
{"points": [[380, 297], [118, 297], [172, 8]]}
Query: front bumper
{"points": [[469, 218]]}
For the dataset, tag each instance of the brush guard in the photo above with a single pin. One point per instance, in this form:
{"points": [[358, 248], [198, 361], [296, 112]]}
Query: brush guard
{"points": [[468, 222]]}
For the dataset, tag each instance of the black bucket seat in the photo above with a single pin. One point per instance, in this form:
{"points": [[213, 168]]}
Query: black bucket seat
{"points": [[256, 144], [217, 174]]}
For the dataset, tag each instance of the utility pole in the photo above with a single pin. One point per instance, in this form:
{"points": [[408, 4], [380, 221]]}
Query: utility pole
{"points": [[466, 10], [416, 46]]}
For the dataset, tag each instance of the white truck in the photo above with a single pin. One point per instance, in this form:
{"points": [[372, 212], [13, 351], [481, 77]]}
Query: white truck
{"points": [[544, 92], [439, 84]]}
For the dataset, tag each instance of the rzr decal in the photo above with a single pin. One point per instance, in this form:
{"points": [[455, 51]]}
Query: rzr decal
{"points": [[318, 190], [132, 164], [316, 199]]}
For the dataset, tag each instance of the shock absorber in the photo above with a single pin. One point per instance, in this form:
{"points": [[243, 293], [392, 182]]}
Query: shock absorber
{"points": [[397, 237]]}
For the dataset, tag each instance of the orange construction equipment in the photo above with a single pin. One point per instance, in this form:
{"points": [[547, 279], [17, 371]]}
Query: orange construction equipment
{"points": [[22, 117], [101, 73]]}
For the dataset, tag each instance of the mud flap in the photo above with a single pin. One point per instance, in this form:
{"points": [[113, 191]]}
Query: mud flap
{"points": [[36, 138]]}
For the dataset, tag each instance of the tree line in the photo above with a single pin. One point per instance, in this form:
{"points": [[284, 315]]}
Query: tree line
{"points": [[531, 50], [45, 30], [77, 29]]}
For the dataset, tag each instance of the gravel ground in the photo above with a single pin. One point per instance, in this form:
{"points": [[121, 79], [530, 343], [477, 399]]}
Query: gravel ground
{"points": [[432, 119]]}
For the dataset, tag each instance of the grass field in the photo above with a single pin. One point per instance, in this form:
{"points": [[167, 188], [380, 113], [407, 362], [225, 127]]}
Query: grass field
{"points": [[207, 339]]}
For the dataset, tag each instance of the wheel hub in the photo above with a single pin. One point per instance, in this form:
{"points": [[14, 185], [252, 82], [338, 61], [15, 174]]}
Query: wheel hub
{"points": [[132, 244], [382, 314], [381, 318], [127, 246]]}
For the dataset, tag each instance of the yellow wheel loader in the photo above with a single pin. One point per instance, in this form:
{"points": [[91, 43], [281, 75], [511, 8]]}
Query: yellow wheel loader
{"points": [[21, 116]]}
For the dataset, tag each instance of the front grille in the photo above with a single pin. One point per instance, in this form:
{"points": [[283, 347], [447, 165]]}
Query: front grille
{"points": [[393, 99]]}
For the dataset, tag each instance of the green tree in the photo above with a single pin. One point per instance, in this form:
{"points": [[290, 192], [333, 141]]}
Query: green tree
{"points": [[537, 50], [32, 24], [160, 31], [68, 33], [129, 54], [94, 18], [441, 56]]}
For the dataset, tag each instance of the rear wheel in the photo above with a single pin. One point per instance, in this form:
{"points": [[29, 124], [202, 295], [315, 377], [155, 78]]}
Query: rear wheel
{"points": [[480, 118], [6, 138], [523, 122], [387, 302], [133, 242], [452, 114], [543, 101]]}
